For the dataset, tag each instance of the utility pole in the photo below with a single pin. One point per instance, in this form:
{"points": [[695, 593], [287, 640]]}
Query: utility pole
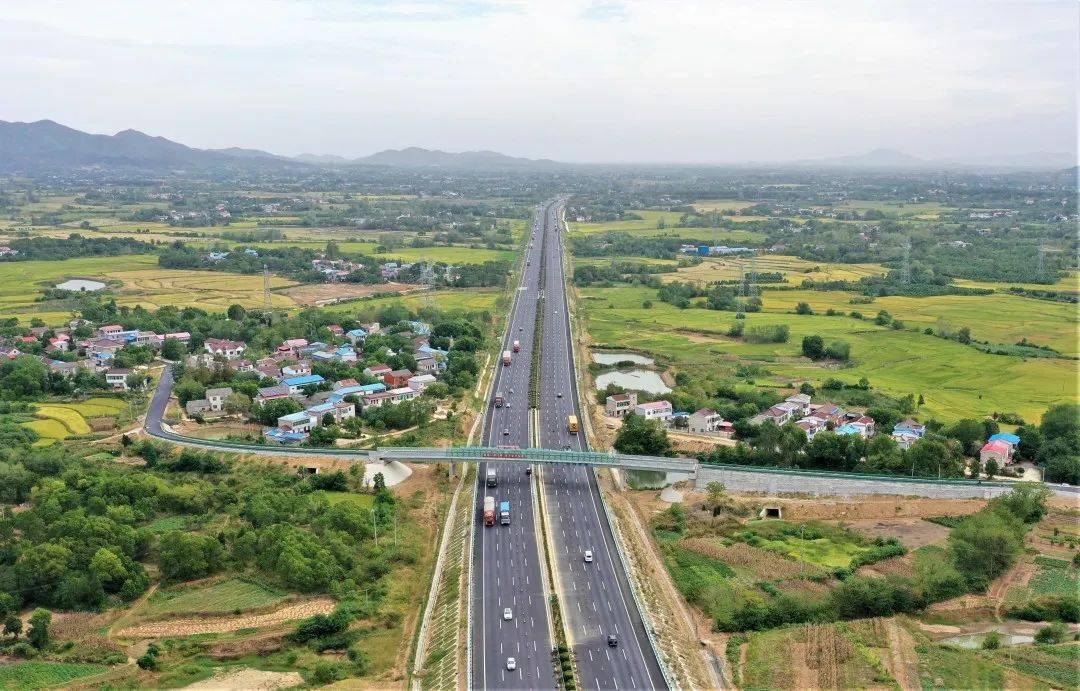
{"points": [[1041, 271], [905, 268]]}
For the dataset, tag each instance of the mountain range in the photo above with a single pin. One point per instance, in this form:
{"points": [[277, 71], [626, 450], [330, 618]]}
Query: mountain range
{"points": [[47, 146]]}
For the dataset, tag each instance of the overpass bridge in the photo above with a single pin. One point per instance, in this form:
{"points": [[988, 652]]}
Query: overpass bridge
{"points": [[538, 456]]}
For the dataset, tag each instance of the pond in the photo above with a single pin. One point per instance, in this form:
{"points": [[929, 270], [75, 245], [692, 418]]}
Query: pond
{"points": [[974, 641], [616, 358], [80, 285], [634, 380]]}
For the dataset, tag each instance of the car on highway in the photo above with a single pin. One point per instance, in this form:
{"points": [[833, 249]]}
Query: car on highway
{"points": [[511, 664], [506, 431], [613, 640], [558, 395], [588, 556], [528, 470], [508, 614]]}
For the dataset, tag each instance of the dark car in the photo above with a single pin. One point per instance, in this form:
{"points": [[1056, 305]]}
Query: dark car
{"points": [[613, 641]]}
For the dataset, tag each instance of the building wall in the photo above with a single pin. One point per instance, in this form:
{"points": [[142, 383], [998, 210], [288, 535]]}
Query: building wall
{"points": [[801, 483]]}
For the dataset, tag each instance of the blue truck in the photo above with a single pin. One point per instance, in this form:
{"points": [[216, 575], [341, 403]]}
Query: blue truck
{"points": [[504, 513]]}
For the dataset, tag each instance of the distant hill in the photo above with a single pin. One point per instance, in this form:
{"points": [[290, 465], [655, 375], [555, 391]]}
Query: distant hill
{"points": [[46, 145], [416, 157]]}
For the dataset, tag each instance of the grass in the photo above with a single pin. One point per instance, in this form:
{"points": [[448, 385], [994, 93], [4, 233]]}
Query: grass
{"points": [[139, 281], [956, 380], [706, 205], [829, 656], [650, 218], [472, 299], [50, 431], [946, 667], [1057, 665], [1056, 580], [38, 675], [223, 597], [796, 270], [71, 419], [363, 501], [450, 255], [998, 318]]}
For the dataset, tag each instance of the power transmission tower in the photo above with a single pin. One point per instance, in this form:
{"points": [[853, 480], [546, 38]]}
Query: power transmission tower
{"points": [[1042, 261], [427, 277]]}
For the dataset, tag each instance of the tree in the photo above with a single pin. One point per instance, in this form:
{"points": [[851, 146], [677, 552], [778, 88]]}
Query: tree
{"points": [[964, 335], [991, 468], [189, 390], [984, 545], [813, 347], [968, 432], [930, 457], [715, 491], [839, 350], [173, 349], [642, 437], [236, 312], [831, 451], [803, 308], [237, 402], [184, 556], [13, 626], [269, 412], [108, 568], [38, 633]]}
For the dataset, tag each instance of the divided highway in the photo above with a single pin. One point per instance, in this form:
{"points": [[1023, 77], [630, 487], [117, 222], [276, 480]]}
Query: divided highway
{"points": [[507, 562], [596, 598]]}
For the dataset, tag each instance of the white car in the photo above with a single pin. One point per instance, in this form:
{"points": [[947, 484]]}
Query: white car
{"points": [[588, 556], [508, 614], [506, 431], [511, 664]]}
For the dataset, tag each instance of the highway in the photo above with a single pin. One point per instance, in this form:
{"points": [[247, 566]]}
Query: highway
{"points": [[507, 563], [595, 597]]}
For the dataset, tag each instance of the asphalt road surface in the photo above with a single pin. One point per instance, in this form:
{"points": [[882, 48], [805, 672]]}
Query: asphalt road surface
{"points": [[596, 599], [506, 559]]}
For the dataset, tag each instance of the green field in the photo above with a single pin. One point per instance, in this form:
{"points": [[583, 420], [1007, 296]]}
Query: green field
{"points": [[994, 318], [956, 380], [223, 597], [40, 675], [647, 225], [449, 255], [71, 419], [795, 270], [476, 299]]}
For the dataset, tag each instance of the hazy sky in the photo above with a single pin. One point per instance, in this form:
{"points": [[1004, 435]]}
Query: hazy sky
{"points": [[711, 81]]}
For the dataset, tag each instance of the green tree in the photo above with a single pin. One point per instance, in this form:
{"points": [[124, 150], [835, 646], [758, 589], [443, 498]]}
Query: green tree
{"points": [[984, 545], [38, 633], [715, 492], [189, 390], [108, 568], [173, 349], [13, 626], [643, 437], [236, 312], [968, 432], [804, 308], [183, 556], [813, 347]]}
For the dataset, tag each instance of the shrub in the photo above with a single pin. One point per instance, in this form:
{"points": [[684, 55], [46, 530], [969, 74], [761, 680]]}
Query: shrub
{"points": [[1055, 633]]}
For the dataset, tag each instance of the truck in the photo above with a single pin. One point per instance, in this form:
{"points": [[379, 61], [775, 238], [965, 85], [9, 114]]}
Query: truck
{"points": [[572, 424], [504, 513], [517, 346], [492, 479], [499, 400], [489, 510], [506, 357]]}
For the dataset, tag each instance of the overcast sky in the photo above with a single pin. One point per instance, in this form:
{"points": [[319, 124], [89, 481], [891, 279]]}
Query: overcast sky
{"points": [[713, 81]]}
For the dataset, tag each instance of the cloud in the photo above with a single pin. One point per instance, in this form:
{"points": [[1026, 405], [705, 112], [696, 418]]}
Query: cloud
{"points": [[708, 81]]}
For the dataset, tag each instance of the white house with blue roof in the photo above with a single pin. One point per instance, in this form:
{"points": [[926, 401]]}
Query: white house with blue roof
{"points": [[296, 384]]}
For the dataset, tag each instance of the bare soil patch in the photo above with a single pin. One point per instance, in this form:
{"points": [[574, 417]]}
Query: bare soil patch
{"points": [[193, 626], [243, 679], [911, 532], [327, 293]]}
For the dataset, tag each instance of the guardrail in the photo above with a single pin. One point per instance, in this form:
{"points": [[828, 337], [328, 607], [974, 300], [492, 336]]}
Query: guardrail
{"points": [[638, 598]]}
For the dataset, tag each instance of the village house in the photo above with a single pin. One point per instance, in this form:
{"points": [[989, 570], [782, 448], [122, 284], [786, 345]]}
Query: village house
{"points": [[378, 371], [66, 369], [620, 404], [910, 427], [389, 397], [811, 426], [420, 382], [110, 331], [291, 346], [216, 397], [338, 410], [296, 369], [296, 384], [296, 422], [270, 393], [397, 379], [654, 410], [116, 378], [998, 450], [704, 421], [802, 401], [224, 348]]}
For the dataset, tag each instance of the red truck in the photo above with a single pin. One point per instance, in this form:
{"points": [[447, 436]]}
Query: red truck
{"points": [[489, 510], [517, 346]]}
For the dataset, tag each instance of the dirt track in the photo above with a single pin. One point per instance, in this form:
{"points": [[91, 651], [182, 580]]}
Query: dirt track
{"points": [[193, 626]]}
